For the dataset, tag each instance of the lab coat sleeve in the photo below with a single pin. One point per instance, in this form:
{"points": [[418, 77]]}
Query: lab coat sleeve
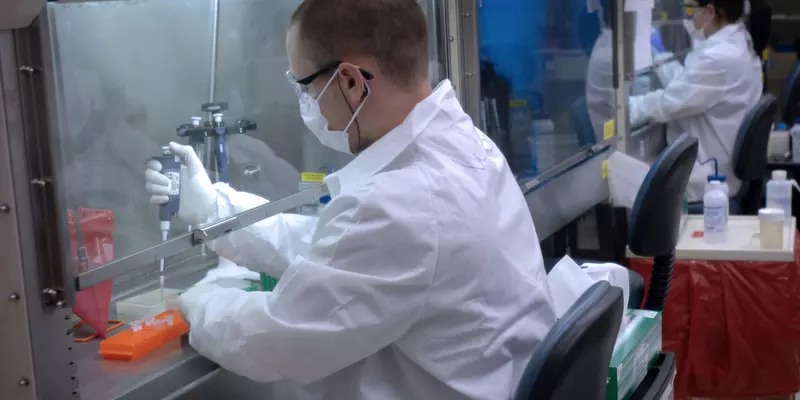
{"points": [[268, 246], [363, 285], [667, 71], [697, 89]]}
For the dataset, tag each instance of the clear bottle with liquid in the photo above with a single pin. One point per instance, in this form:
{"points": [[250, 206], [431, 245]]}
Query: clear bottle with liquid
{"points": [[779, 193], [715, 221]]}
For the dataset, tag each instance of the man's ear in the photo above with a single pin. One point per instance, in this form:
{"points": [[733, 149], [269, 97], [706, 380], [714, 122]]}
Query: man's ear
{"points": [[349, 75]]}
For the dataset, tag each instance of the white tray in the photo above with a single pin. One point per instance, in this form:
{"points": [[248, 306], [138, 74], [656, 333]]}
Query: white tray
{"points": [[742, 242]]}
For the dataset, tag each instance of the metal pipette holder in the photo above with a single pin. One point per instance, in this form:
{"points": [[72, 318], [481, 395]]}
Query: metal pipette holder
{"points": [[209, 139]]}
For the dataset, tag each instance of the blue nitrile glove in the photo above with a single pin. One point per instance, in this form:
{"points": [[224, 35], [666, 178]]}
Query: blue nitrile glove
{"points": [[655, 41]]}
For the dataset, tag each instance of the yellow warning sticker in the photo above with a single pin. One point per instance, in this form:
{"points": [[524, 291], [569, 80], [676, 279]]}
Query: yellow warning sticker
{"points": [[518, 103], [312, 177], [608, 129], [604, 169], [664, 16]]}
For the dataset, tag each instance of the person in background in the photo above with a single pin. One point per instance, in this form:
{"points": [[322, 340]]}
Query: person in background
{"points": [[709, 97], [422, 278]]}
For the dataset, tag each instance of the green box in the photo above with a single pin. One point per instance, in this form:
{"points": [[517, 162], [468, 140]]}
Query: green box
{"points": [[268, 283], [637, 346]]}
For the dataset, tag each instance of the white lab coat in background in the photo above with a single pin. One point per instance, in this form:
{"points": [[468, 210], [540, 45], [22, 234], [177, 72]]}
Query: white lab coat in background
{"points": [[719, 84], [422, 279], [599, 83]]}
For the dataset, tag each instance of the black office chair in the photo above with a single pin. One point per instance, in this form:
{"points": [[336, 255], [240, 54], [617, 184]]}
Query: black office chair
{"points": [[582, 123], [572, 361], [750, 155], [654, 222], [790, 97]]}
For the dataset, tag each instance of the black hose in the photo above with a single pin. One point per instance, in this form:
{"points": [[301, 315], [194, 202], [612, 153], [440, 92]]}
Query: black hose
{"points": [[660, 280]]}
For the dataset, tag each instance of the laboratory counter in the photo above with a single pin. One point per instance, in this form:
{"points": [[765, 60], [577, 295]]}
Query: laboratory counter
{"points": [[166, 372]]}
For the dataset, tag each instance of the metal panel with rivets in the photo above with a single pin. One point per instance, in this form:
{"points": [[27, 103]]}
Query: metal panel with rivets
{"points": [[34, 297]]}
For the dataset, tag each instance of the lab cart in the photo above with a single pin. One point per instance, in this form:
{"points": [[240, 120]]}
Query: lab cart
{"points": [[90, 90]]}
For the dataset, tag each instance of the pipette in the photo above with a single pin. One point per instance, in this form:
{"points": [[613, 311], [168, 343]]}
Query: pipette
{"points": [[171, 168], [222, 148]]}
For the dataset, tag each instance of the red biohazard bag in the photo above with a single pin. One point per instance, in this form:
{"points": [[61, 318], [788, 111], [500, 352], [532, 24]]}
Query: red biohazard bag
{"points": [[91, 247], [734, 327]]}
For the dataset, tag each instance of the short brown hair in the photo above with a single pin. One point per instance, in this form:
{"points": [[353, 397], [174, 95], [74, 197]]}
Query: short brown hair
{"points": [[392, 32]]}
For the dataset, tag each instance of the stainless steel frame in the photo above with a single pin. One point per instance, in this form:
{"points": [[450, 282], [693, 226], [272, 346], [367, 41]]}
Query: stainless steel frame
{"points": [[622, 27], [462, 28], [35, 333], [197, 237], [578, 187], [577, 182]]}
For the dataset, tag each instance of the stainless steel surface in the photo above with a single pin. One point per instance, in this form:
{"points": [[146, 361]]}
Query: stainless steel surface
{"points": [[557, 171], [629, 34], [560, 201], [15, 340], [52, 274], [154, 376], [455, 49], [647, 142], [212, 87], [224, 227], [19, 13], [621, 121], [437, 40], [464, 16], [33, 339]]}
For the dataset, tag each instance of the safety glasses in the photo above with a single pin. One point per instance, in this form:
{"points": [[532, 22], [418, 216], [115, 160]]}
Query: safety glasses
{"points": [[303, 86]]}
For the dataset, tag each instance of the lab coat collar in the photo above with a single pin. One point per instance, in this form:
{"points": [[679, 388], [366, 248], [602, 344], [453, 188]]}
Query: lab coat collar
{"points": [[378, 155], [725, 34]]}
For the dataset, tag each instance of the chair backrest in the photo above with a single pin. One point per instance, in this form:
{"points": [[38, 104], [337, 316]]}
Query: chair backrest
{"points": [[750, 150], [654, 222], [572, 361], [790, 97], [582, 123]]}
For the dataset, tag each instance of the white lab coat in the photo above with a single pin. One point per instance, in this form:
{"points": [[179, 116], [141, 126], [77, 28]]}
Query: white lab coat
{"points": [[599, 83], [719, 84], [422, 279]]}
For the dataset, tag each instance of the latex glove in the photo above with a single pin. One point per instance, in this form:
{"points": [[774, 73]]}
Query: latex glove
{"points": [[228, 274], [198, 198], [636, 111], [189, 300]]}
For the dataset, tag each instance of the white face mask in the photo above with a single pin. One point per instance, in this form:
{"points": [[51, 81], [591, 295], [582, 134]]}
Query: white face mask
{"points": [[694, 33], [318, 124]]}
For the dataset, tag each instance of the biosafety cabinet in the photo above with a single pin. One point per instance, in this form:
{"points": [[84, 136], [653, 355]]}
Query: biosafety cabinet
{"points": [[90, 90]]}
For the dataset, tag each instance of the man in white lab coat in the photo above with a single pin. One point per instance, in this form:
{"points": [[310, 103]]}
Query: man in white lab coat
{"points": [[422, 278], [709, 97]]}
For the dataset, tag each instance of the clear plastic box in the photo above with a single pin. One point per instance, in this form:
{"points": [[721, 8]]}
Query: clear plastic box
{"points": [[145, 304]]}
